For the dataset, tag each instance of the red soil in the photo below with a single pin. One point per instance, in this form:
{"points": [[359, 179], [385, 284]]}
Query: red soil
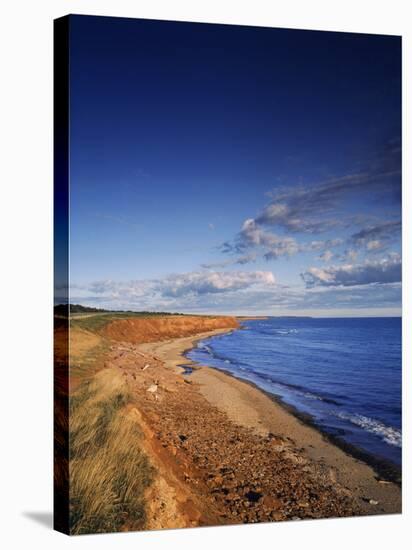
{"points": [[154, 329]]}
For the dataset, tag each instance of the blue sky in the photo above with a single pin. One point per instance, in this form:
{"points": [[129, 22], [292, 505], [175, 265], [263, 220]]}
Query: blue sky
{"points": [[234, 169]]}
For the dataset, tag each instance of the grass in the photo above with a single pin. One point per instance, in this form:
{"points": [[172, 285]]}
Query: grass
{"points": [[96, 322], [85, 365], [109, 471]]}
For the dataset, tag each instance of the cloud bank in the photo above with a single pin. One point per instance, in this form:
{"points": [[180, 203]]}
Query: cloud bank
{"points": [[182, 285], [363, 288], [386, 270]]}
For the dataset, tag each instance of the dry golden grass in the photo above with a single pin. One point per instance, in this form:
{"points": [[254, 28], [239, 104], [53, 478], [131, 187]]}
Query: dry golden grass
{"points": [[109, 472], [87, 352]]}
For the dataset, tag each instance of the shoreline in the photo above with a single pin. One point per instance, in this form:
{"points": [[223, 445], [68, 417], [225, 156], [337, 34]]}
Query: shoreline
{"points": [[384, 468], [368, 480]]}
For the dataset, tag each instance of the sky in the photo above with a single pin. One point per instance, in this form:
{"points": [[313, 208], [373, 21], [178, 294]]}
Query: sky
{"points": [[239, 170]]}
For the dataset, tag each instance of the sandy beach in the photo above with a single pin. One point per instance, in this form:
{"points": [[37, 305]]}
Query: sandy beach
{"points": [[218, 450], [250, 407], [226, 452]]}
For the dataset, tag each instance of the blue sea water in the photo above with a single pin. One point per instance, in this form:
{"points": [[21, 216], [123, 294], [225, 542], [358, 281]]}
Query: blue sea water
{"points": [[346, 373]]}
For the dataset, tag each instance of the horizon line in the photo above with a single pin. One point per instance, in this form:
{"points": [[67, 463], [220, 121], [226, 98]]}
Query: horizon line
{"points": [[242, 314]]}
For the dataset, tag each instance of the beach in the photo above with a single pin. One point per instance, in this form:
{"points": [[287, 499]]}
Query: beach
{"points": [[227, 453], [219, 449], [251, 408]]}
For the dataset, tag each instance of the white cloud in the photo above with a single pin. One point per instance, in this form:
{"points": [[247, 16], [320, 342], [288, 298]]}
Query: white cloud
{"points": [[322, 245], [327, 207], [386, 270], [270, 299], [375, 245], [197, 283], [252, 236], [384, 231], [326, 256], [241, 260], [350, 255], [173, 290]]}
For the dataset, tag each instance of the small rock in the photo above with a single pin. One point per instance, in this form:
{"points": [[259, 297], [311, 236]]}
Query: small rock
{"points": [[373, 502], [271, 503]]}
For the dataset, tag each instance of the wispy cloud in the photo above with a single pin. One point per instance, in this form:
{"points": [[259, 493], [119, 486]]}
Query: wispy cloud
{"points": [[326, 256], [350, 255], [252, 236], [375, 245], [272, 246], [373, 236], [317, 246], [313, 209], [329, 206], [241, 260], [123, 220]]}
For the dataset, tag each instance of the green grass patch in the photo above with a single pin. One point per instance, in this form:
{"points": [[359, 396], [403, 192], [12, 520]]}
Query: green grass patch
{"points": [[95, 322]]}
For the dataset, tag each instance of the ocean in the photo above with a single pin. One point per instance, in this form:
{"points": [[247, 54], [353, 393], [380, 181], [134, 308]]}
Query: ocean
{"points": [[346, 373]]}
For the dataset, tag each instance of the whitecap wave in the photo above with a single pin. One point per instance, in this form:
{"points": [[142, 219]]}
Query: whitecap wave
{"points": [[284, 332], [390, 435], [204, 347], [310, 395]]}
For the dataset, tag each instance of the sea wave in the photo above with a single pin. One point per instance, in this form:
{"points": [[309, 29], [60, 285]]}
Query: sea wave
{"points": [[265, 331], [202, 346], [254, 374], [294, 388], [390, 435], [220, 357], [326, 368]]}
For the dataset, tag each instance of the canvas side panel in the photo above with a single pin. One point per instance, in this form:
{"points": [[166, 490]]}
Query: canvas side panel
{"points": [[61, 274]]}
